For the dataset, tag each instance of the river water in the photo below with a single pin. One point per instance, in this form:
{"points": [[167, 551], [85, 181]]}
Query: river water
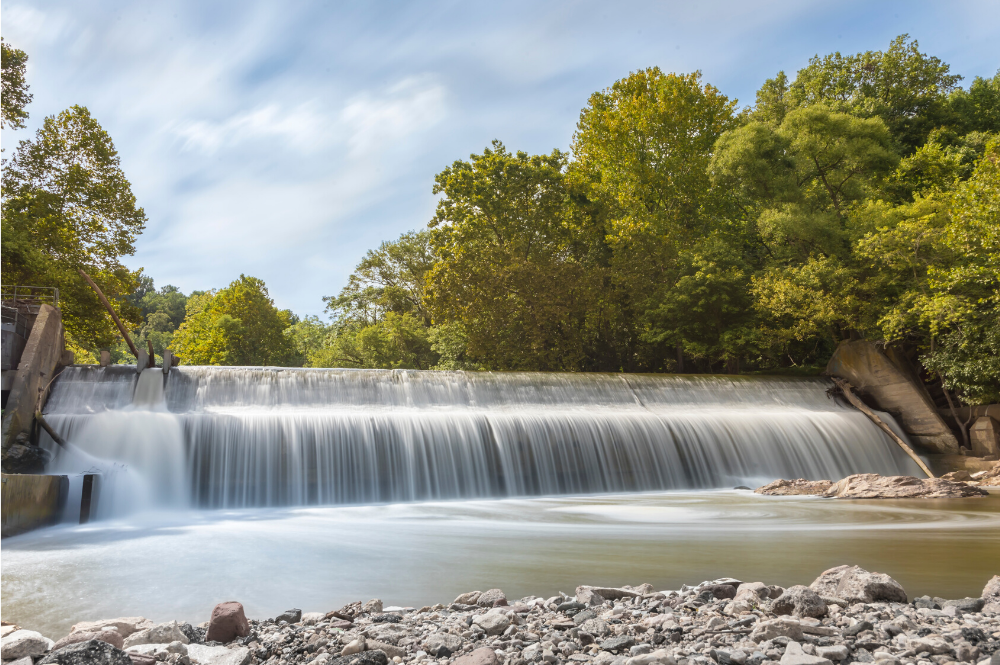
{"points": [[178, 565]]}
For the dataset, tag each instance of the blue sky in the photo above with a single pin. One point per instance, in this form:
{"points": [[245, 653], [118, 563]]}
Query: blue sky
{"points": [[283, 139]]}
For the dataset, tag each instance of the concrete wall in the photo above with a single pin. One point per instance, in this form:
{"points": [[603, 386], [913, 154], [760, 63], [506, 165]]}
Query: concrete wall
{"points": [[41, 355], [895, 389], [30, 501]]}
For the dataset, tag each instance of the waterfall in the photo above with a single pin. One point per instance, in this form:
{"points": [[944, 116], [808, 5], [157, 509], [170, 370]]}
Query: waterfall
{"points": [[230, 437]]}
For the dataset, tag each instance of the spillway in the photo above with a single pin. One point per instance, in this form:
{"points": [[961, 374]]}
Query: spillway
{"points": [[232, 437]]}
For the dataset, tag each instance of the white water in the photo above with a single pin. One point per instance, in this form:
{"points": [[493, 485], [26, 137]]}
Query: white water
{"points": [[245, 437]]}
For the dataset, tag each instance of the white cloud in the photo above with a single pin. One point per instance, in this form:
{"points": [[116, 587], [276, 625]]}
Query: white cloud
{"points": [[304, 128], [375, 120]]}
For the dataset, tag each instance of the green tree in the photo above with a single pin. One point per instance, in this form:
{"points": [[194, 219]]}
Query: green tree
{"points": [[15, 86], [67, 205], [237, 325]]}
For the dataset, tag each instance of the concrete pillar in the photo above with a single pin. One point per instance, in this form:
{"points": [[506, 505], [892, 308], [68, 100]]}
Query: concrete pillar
{"points": [[985, 436]]}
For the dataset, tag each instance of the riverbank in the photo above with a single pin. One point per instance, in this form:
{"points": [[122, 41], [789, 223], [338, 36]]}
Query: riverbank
{"points": [[845, 615]]}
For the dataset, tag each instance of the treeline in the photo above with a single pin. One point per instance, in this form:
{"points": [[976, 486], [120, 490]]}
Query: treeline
{"points": [[859, 199]]}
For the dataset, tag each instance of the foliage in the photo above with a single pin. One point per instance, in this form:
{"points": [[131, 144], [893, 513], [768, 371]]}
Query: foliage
{"points": [[68, 205], [237, 325], [15, 87]]}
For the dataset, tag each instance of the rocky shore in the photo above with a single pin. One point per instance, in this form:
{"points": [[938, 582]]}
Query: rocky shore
{"points": [[847, 615], [955, 485]]}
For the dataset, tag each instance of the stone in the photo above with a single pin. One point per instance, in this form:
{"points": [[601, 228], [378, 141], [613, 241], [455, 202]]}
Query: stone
{"points": [[800, 601], [493, 624], [781, 627], [753, 591], [961, 475], [619, 643], [720, 591], [658, 657], [859, 627], [141, 658], [218, 655], [468, 598], [8, 628], [110, 636], [856, 585], [991, 593], [21, 643], [27, 660], [363, 658], [291, 616], [228, 622], [488, 598], [389, 650], [795, 487], [373, 606], [124, 625], [875, 486], [20, 458], [587, 596], [354, 646], [91, 652], [932, 644], [985, 437], [965, 604], [163, 633], [442, 645], [595, 627], [481, 656], [833, 652], [794, 655]]}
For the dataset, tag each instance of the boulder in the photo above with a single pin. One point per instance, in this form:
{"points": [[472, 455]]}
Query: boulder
{"points": [[481, 656], [21, 643], [124, 625], [91, 652], [856, 585], [227, 623], [468, 598], [965, 604], [794, 655], [492, 624], [289, 616], [207, 655], [442, 645], [781, 627], [800, 601], [874, 486], [720, 591], [110, 636], [794, 487], [163, 633], [991, 595], [488, 598]]}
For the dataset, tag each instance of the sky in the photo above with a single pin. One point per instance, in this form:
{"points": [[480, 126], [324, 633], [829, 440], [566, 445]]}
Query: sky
{"points": [[284, 139]]}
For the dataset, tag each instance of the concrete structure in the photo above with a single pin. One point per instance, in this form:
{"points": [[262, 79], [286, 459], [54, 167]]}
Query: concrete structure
{"points": [[893, 387], [985, 437], [42, 354], [30, 501]]}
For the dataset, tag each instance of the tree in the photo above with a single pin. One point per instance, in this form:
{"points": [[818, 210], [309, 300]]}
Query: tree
{"points": [[67, 205], [237, 325], [15, 87]]}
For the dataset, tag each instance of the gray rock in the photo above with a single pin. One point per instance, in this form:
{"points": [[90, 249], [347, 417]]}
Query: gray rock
{"points": [[800, 601], [468, 598], [619, 643], [856, 585], [91, 652], [859, 627], [21, 643], [363, 658], [794, 655], [164, 633], [966, 604], [373, 606], [442, 645], [493, 624], [389, 650], [110, 636], [782, 627], [291, 616], [481, 656], [124, 625], [208, 655], [833, 652], [588, 597], [20, 458], [488, 598], [581, 617], [596, 627]]}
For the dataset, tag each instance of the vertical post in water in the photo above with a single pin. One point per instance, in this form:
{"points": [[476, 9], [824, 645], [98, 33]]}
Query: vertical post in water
{"points": [[88, 501]]}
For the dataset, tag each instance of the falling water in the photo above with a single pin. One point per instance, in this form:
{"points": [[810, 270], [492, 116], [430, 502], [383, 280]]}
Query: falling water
{"points": [[242, 437]]}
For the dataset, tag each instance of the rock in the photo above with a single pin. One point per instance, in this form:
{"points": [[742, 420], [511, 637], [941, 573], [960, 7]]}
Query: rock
{"points": [[311, 618], [8, 628], [874, 486], [353, 647], [124, 625], [141, 658], [468, 598], [794, 655], [800, 601], [660, 657], [207, 655], [985, 436], [930, 643], [619, 643], [493, 624], [227, 623], [595, 627], [20, 458], [833, 652], [587, 596], [27, 660], [390, 650], [291, 616], [782, 627], [481, 656], [856, 585], [488, 598], [387, 617], [859, 627], [991, 595], [965, 604], [720, 591], [163, 633], [794, 487], [753, 591], [363, 658], [110, 636], [960, 476], [21, 643], [91, 652], [442, 645], [373, 606]]}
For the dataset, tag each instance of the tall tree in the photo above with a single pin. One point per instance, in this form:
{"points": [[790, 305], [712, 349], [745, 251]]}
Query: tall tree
{"points": [[15, 86]]}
